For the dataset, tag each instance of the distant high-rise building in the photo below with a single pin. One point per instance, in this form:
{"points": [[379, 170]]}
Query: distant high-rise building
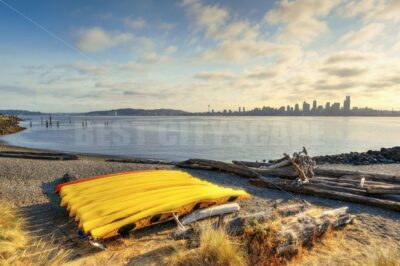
{"points": [[296, 108], [306, 107], [244, 109], [346, 105], [335, 107], [288, 108], [314, 105], [327, 106], [240, 109]]}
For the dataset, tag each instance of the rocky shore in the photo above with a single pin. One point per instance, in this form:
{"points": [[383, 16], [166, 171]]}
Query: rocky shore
{"points": [[9, 125], [383, 156]]}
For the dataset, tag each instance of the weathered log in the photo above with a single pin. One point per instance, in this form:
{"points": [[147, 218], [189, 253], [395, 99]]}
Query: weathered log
{"points": [[357, 175], [358, 191], [210, 212], [252, 164], [38, 155], [237, 225], [313, 184], [371, 189], [298, 169], [267, 243], [280, 164], [324, 193], [304, 228], [217, 165], [355, 182]]}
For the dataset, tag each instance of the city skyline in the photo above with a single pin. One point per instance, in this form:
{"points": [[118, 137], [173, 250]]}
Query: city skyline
{"points": [[327, 109]]}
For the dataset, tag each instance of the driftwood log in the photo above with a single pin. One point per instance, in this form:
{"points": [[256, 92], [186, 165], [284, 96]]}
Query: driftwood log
{"points": [[325, 172], [237, 225], [358, 175], [309, 189], [210, 212], [303, 228], [218, 166], [383, 189], [253, 164], [354, 186], [273, 243], [38, 155]]}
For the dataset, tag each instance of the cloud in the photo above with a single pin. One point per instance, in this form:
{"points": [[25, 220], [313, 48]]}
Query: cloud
{"points": [[245, 49], [381, 10], [349, 57], [263, 73], [344, 72], [165, 26], [84, 68], [301, 19], [97, 39], [337, 86], [214, 76], [362, 36], [153, 58], [207, 17], [171, 49], [17, 90], [135, 24]]}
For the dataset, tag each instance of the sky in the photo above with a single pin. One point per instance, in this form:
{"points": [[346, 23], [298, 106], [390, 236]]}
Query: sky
{"points": [[76, 56]]}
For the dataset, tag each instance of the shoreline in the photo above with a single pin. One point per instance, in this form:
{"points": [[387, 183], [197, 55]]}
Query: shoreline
{"points": [[384, 156], [4, 145]]}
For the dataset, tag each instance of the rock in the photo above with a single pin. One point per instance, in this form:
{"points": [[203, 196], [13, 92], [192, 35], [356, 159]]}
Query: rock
{"points": [[384, 155]]}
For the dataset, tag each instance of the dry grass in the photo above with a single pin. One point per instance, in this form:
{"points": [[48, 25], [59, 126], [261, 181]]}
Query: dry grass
{"points": [[387, 257], [16, 247], [215, 248], [260, 241]]}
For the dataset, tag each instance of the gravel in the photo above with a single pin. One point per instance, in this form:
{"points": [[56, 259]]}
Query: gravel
{"points": [[21, 182]]}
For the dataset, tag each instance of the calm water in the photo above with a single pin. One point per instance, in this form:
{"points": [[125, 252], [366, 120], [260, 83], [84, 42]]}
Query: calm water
{"points": [[220, 138]]}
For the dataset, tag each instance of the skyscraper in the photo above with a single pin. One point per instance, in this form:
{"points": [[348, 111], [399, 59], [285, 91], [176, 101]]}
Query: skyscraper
{"points": [[346, 105], [296, 108], [314, 105], [306, 107], [327, 106]]}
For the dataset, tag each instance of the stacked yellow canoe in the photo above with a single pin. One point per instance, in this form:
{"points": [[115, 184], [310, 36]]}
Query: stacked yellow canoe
{"points": [[115, 204]]}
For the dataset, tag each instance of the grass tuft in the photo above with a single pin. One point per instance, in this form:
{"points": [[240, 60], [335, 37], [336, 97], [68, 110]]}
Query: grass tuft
{"points": [[388, 257], [215, 248], [16, 246]]}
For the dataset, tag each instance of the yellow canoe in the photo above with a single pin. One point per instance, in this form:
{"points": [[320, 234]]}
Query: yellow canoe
{"points": [[119, 203]]}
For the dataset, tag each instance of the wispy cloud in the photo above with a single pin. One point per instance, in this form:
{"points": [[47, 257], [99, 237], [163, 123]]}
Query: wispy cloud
{"points": [[97, 39], [137, 23]]}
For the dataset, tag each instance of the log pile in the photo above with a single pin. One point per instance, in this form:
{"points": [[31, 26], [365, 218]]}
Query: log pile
{"points": [[279, 231], [298, 174]]}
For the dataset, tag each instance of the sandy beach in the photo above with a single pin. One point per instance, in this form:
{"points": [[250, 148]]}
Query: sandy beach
{"points": [[22, 182]]}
